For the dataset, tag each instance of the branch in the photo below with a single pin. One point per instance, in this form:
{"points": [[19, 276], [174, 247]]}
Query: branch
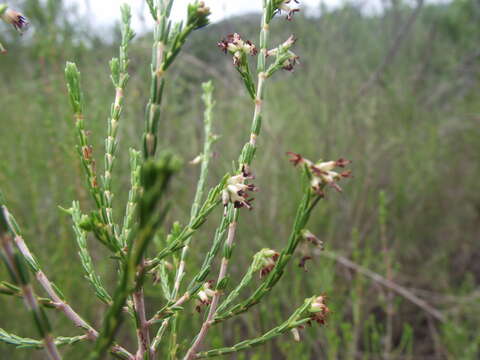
{"points": [[52, 290], [400, 290]]}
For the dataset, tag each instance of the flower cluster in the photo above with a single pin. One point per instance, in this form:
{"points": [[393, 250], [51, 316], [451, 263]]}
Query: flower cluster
{"points": [[322, 173], [16, 19], [236, 191], [238, 47], [284, 5], [318, 310]]}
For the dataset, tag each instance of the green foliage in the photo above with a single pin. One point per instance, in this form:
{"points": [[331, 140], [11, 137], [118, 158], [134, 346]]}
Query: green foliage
{"points": [[413, 138]]}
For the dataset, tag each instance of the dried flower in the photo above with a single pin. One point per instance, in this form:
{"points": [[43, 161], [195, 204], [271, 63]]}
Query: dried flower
{"points": [[236, 190], [319, 310], [16, 19], [238, 47], [322, 173]]}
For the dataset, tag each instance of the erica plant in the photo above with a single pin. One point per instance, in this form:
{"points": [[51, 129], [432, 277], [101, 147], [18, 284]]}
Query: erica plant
{"points": [[137, 264]]}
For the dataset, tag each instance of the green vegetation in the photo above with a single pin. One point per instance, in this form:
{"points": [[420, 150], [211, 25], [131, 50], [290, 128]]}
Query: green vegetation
{"points": [[400, 266]]}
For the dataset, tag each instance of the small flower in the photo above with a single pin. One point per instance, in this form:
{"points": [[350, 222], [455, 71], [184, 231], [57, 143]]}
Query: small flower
{"points": [[205, 295], [318, 310], [287, 44], [238, 47], [322, 172], [290, 63], [286, 59], [284, 5], [267, 258], [16, 19], [236, 191]]}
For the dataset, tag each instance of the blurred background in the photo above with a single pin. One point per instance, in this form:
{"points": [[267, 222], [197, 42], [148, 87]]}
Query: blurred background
{"points": [[391, 84]]}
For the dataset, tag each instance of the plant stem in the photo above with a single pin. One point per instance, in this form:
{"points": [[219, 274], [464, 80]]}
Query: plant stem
{"points": [[213, 306], [246, 159], [152, 115], [52, 289], [143, 333], [196, 206], [20, 276]]}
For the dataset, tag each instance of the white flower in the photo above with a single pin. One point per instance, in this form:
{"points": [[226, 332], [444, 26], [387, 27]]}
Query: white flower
{"points": [[206, 294]]}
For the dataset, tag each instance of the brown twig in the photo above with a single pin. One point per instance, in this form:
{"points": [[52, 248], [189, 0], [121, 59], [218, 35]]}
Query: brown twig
{"points": [[143, 333], [400, 290]]}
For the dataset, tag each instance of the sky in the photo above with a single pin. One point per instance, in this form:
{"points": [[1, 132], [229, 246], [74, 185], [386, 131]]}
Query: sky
{"points": [[106, 12]]}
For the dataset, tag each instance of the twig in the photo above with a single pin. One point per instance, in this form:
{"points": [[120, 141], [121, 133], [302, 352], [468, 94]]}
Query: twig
{"points": [[19, 273], [402, 291], [143, 333], [206, 155]]}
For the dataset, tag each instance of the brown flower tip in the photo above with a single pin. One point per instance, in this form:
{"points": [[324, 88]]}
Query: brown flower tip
{"points": [[269, 263], [295, 158]]}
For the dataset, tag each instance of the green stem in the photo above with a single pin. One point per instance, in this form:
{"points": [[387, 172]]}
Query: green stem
{"points": [[298, 318]]}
